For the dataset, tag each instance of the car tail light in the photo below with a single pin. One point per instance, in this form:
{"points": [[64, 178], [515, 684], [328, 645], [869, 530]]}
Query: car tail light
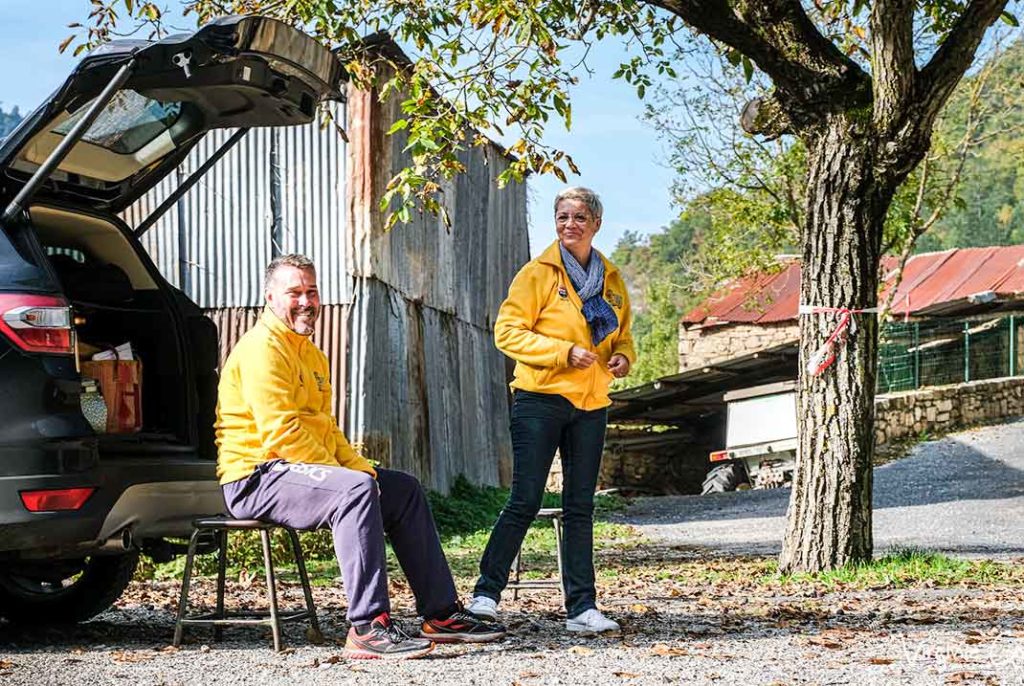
{"points": [[36, 323], [56, 499], [719, 455]]}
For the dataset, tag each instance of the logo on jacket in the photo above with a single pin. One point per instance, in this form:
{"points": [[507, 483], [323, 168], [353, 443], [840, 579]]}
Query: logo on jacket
{"points": [[320, 381], [614, 298], [563, 293]]}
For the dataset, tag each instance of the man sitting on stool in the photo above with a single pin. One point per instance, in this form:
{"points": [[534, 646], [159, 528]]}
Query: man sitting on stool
{"points": [[283, 459]]}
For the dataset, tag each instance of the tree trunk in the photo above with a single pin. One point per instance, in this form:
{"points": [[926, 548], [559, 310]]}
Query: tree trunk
{"points": [[829, 520]]}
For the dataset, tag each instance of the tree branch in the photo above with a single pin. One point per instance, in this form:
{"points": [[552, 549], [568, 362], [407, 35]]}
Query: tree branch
{"points": [[894, 72], [949, 63], [810, 73]]}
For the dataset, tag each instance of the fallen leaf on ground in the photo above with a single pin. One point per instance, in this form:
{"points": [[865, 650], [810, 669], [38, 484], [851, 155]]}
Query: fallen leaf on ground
{"points": [[825, 642], [664, 649], [881, 660], [580, 650], [966, 677], [626, 675], [6, 664], [640, 608], [127, 656]]}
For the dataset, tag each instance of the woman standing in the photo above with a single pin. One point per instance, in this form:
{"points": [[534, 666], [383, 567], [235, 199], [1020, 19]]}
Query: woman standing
{"points": [[566, 323]]}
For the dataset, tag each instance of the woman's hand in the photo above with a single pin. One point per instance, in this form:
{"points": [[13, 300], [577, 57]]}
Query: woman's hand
{"points": [[580, 357], [618, 365]]}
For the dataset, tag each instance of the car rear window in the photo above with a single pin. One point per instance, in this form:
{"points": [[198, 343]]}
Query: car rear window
{"points": [[127, 123]]}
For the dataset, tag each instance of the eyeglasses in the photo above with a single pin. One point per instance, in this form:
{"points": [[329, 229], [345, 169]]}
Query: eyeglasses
{"points": [[566, 218]]}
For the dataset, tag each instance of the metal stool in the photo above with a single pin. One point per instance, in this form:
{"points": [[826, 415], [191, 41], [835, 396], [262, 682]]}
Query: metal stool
{"points": [[219, 527], [517, 584]]}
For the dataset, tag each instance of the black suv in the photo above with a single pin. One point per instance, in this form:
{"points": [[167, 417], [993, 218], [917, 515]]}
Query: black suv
{"points": [[77, 506]]}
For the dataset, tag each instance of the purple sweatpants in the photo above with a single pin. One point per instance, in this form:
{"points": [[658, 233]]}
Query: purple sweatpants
{"points": [[312, 496]]}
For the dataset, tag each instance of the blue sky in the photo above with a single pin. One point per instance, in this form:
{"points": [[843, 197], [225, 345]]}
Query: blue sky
{"points": [[618, 155]]}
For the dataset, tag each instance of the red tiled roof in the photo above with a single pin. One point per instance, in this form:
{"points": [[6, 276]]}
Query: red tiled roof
{"points": [[932, 283]]}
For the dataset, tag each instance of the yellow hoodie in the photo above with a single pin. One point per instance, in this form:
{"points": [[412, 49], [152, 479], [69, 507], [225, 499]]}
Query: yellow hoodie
{"points": [[542, 318], [274, 401]]}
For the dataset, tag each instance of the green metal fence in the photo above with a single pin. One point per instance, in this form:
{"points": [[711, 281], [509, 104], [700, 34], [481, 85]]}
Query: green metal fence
{"points": [[934, 353]]}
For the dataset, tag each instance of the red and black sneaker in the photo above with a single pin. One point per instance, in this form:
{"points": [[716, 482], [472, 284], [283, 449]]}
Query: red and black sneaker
{"points": [[461, 627], [384, 640]]}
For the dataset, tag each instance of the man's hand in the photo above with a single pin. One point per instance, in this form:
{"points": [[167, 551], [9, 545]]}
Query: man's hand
{"points": [[618, 365], [580, 357]]}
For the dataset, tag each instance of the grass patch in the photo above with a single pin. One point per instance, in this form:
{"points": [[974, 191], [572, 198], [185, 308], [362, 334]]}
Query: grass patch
{"points": [[905, 567]]}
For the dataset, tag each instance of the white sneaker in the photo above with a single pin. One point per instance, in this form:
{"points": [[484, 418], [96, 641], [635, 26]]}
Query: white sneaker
{"points": [[483, 607], [592, 622]]}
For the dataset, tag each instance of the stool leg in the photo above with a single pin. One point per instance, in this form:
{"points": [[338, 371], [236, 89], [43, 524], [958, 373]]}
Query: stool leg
{"points": [[275, 624], [222, 566], [517, 565], [300, 562], [556, 522], [185, 582]]}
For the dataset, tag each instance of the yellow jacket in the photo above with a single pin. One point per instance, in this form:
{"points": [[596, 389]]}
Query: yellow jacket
{"points": [[274, 401], [542, 318]]}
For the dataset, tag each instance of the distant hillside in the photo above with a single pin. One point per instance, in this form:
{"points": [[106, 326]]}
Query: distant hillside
{"points": [[992, 188], [8, 121]]}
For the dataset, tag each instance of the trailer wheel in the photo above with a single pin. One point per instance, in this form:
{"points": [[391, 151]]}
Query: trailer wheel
{"points": [[723, 478]]}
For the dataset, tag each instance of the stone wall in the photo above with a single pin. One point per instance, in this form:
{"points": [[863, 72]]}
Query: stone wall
{"points": [[940, 409], [703, 345]]}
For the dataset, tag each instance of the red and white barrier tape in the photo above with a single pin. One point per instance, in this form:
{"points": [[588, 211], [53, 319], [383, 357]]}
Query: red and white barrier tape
{"points": [[824, 356]]}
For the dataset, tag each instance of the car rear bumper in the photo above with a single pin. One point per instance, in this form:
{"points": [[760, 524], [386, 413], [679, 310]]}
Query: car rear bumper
{"points": [[154, 496]]}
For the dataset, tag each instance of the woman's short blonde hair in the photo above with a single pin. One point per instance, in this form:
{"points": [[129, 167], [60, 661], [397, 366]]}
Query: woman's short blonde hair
{"points": [[583, 195]]}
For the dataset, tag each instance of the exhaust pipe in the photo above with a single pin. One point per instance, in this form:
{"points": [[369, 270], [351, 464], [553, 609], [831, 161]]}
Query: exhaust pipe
{"points": [[118, 543]]}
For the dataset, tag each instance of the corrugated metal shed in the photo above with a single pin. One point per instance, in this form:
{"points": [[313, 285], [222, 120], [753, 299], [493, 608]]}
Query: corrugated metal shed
{"points": [[427, 387], [959, 281], [429, 394]]}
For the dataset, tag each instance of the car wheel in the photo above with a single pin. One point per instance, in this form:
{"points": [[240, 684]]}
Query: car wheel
{"points": [[66, 591], [724, 477]]}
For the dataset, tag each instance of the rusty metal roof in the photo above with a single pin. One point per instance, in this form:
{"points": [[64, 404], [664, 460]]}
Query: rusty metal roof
{"points": [[959, 281]]}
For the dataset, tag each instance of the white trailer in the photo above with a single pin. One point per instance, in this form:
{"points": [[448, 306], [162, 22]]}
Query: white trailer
{"points": [[760, 439]]}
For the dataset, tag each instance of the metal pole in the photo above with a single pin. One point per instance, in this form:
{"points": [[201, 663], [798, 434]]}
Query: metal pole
{"points": [[917, 355], [967, 351], [1013, 346], [64, 147], [185, 187]]}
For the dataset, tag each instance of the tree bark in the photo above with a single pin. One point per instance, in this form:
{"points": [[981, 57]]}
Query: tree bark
{"points": [[829, 520]]}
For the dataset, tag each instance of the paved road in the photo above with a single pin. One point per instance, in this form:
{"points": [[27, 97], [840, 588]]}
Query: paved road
{"points": [[963, 494]]}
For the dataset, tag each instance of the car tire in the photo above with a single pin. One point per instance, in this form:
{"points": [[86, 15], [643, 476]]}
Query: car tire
{"points": [[36, 600], [723, 478]]}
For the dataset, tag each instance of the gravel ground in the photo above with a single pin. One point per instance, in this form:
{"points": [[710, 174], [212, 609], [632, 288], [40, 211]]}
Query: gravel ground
{"points": [[962, 494], [684, 635], [674, 630]]}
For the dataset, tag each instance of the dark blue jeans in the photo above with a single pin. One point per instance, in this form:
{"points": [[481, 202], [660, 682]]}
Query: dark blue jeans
{"points": [[542, 422]]}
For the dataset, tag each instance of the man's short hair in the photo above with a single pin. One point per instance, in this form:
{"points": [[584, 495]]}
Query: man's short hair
{"points": [[292, 260], [583, 195]]}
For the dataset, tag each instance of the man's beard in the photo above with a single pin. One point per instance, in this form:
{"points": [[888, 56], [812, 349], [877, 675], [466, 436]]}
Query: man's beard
{"points": [[310, 313]]}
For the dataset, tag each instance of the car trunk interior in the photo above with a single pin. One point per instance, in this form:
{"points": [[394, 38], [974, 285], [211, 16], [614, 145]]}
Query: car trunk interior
{"points": [[116, 301]]}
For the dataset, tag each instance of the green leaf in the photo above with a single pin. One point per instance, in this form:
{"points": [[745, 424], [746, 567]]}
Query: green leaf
{"points": [[1009, 18], [399, 125], [748, 68]]}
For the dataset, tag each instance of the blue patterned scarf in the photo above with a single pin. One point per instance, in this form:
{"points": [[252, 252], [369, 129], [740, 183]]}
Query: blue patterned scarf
{"points": [[589, 284]]}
